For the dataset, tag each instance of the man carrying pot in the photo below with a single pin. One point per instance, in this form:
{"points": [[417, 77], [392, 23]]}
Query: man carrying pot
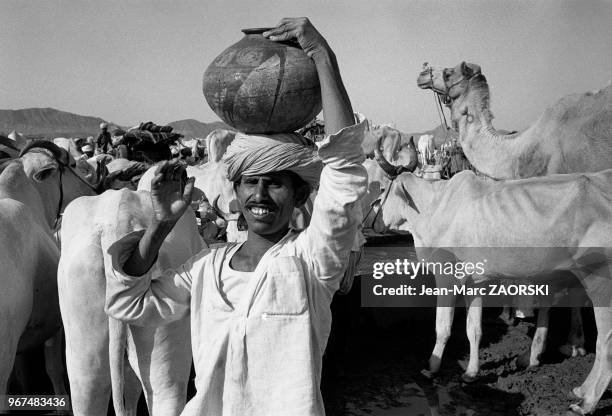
{"points": [[259, 310]]}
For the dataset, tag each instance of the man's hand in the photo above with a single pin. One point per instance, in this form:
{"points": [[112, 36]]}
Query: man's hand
{"points": [[337, 109], [300, 29], [170, 192]]}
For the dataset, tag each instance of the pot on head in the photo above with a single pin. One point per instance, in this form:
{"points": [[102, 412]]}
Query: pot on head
{"points": [[261, 86]]}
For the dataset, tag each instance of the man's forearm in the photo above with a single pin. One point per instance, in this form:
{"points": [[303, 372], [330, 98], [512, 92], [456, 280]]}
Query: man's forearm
{"points": [[145, 254], [337, 109]]}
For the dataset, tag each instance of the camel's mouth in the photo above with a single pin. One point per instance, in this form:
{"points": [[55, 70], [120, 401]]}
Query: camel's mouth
{"points": [[425, 80]]}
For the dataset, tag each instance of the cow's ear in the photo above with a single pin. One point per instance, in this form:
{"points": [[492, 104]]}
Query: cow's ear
{"points": [[44, 173]]}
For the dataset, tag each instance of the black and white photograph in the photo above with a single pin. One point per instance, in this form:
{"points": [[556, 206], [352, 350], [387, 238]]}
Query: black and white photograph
{"points": [[306, 208]]}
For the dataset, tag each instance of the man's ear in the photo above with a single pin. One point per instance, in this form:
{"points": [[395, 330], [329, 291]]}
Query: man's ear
{"points": [[301, 195]]}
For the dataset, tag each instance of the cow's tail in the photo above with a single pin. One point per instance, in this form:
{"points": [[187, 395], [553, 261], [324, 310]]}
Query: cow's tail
{"points": [[117, 341]]}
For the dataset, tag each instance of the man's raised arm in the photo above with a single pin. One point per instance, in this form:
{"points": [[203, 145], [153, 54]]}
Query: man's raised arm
{"points": [[336, 213], [337, 110]]}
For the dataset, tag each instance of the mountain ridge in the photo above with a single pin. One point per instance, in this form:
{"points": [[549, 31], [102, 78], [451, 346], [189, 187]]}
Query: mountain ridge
{"points": [[48, 122]]}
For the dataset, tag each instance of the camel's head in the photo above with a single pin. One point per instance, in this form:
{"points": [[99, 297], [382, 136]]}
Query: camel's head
{"points": [[450, 83], [470, 112]]}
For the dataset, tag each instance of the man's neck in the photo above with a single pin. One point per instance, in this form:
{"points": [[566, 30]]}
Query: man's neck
{"points": [[251, 252]]}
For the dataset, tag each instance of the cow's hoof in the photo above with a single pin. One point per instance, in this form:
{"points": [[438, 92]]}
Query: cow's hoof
{"points": [[566, 350], [506, 319], [575, 394], [468, 378], [524, 361], [575, 409], [572, 351]]}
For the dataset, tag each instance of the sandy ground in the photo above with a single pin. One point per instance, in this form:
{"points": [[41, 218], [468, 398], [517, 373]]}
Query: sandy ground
{"points": [[387, 348]]}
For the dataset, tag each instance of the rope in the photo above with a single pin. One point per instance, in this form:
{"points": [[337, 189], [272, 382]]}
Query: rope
{"points": [[440, 110], [381, 201]]}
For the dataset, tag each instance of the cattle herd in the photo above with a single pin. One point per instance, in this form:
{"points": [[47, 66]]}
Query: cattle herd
{"points": [[547, 187]]}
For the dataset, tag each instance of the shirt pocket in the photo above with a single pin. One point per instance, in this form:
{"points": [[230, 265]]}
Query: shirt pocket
{"points": [[284, 292]]}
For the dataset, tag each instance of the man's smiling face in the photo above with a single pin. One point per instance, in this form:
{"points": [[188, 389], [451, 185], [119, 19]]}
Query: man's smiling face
{"points": [[267, 201]]}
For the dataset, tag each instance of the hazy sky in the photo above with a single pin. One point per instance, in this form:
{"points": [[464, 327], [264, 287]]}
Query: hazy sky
{"points": [[131, 61]]}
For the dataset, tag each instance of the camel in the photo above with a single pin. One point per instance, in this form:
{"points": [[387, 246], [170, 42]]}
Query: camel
{"points": [[574, 135]]}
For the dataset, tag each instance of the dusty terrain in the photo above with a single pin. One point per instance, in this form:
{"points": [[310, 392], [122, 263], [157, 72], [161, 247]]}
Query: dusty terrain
{"points": [[379, 370]]}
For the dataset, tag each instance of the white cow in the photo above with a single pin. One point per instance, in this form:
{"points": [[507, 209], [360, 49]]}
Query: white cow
{"points": [[378, 180], [568, 214], [213, 189], [33, 192], [160, 357]]}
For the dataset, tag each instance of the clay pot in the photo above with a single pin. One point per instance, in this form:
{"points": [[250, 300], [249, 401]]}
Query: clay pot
{"points": [[261, 86]]}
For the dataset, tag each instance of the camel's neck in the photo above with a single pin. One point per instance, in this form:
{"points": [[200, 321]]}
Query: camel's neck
{"points": [[494, 154]]}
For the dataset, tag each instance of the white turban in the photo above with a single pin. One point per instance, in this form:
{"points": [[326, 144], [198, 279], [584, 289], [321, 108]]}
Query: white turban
{"points": [[261, 154]]}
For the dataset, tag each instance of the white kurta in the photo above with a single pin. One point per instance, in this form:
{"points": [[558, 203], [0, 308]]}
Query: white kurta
{"points": [[262, 357]]}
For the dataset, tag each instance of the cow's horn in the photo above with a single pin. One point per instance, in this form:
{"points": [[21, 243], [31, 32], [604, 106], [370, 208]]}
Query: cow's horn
{"points": [[394, 171], [221, 214], [215, 206]]}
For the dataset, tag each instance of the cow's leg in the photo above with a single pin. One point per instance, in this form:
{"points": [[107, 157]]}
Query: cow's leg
{"points": [[86, 329], [9, 337], [474, 334], [162, 358], [507, 315], [538, 344], [54, 363], [88, 371], [444, 323], [21, 381], [132, 389], [601, 374], [575, 339]]}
